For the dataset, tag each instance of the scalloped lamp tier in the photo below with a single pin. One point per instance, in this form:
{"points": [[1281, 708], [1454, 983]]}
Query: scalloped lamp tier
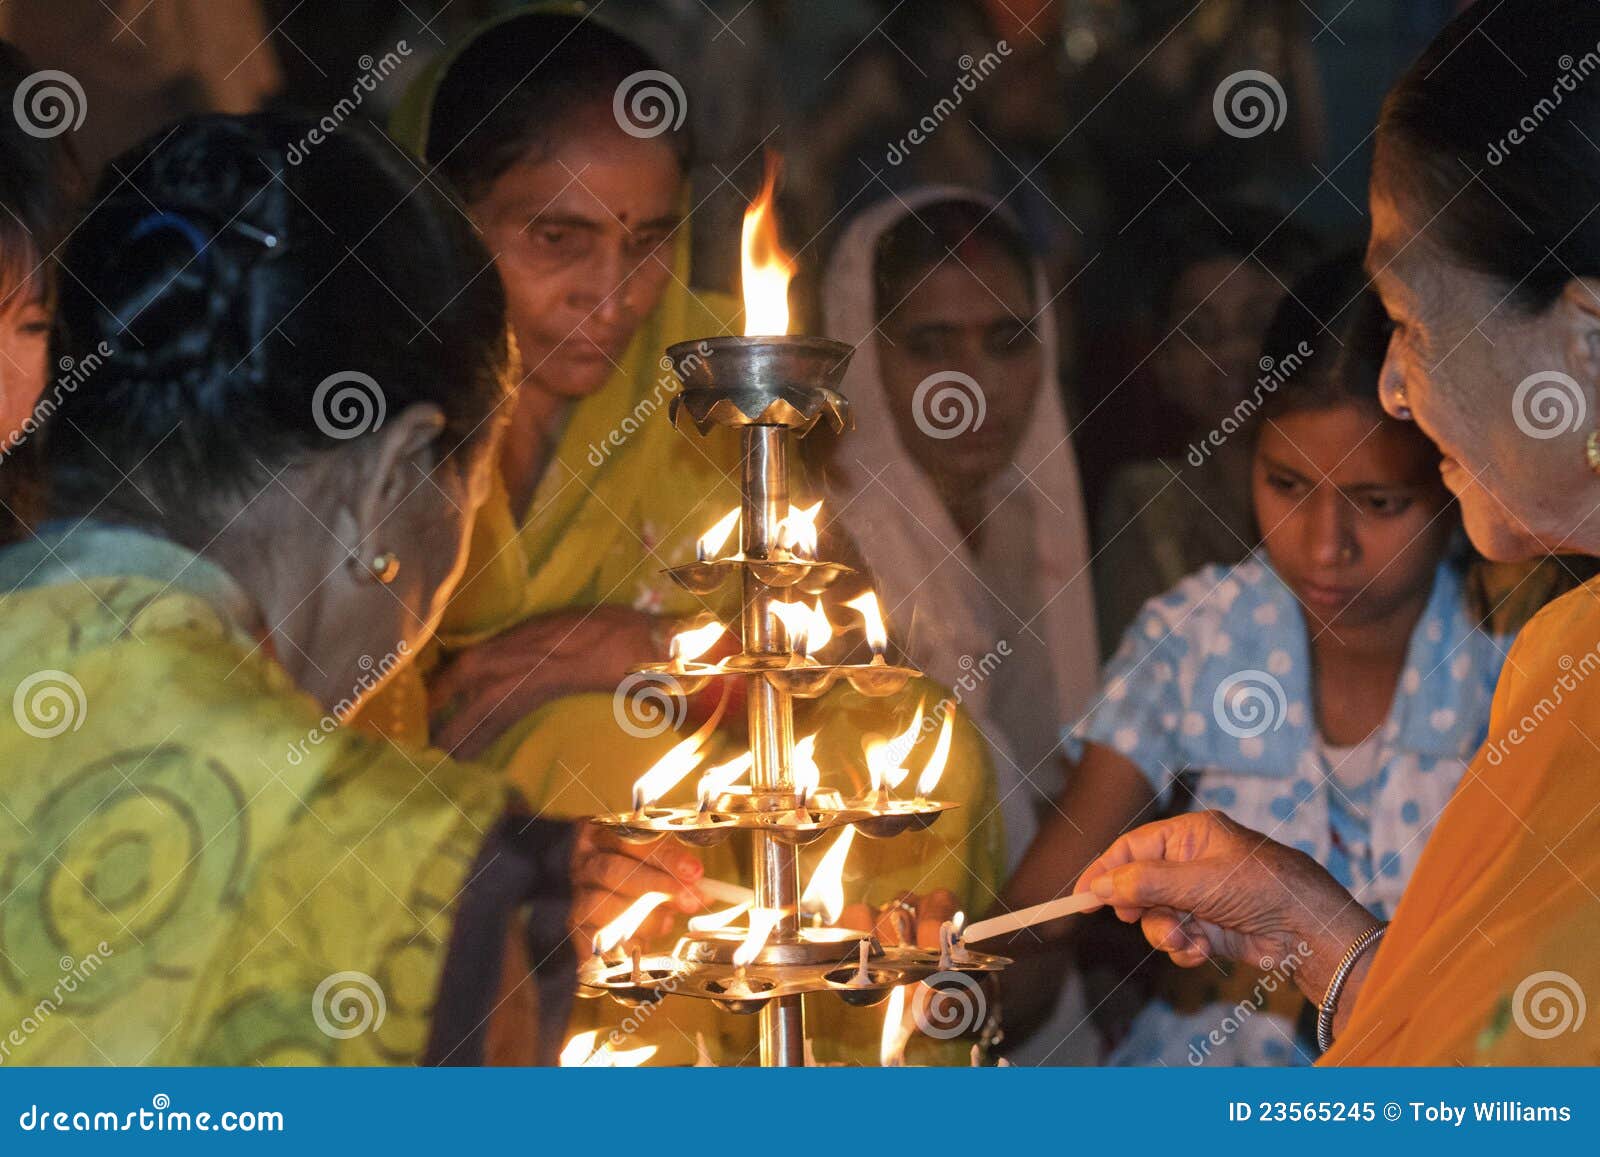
{"points": [[787, 672], [760, 381], [821, 960], [780, 572], [793, 824]]}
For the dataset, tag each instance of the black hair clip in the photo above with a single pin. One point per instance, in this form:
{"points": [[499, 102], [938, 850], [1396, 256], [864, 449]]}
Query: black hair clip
{"points": [[178, 223], [265, 239], [193, 234]]}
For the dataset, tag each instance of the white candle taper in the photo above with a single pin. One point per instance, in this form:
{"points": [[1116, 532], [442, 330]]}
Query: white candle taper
{"points": [[725, 893], [1038, 914]]}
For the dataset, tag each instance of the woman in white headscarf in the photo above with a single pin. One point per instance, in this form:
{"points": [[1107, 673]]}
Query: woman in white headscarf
{"points": [[960, 487]]}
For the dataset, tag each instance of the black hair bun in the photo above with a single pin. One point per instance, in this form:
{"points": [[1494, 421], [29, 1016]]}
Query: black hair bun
{"points": [[221, 285]]}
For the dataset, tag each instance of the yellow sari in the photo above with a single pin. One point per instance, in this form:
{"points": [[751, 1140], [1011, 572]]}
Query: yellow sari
{"points": [[195, 867], [1491, 955], [625, 496]]}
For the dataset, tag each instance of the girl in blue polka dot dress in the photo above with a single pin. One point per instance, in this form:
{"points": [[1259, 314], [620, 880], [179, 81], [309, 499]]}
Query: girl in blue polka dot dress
{"points": [[1327, 691]]}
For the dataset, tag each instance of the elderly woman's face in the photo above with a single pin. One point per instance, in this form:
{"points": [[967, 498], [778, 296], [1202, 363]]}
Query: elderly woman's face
{"points": [[582, 239], [1457, 363]]}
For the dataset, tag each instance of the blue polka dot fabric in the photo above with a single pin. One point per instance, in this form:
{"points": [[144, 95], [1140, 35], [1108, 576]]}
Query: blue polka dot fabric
{"points": [[1213, 682]]}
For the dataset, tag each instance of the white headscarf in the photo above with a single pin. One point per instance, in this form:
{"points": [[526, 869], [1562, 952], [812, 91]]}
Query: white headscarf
{"points": [[944, 601]]}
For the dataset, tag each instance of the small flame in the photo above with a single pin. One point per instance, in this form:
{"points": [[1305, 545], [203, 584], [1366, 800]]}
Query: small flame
{"points": [[668, 771], [580, 1053], [825, 891], [929, 779], [807, 775], [808, 628], [892, 1049], [796, 620], [687, 646], [579, 1049], [762, 922], [797, 533], [711, 921], [628, 923], [720, 778], [886, 758], [872, 620], [820, 632], [712, 541], [765, 268]]}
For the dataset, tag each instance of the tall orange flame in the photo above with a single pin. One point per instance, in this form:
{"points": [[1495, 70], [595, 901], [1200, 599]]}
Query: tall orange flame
{"points": [[766, 268], [825, 892], [929, 779]]}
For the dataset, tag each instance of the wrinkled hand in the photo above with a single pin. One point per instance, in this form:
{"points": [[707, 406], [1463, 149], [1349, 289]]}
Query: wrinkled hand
{"points": [[1202, 886], [486, 688], [609, 873], [908, 919]]}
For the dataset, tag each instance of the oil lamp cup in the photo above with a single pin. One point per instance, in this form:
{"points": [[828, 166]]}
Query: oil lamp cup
{"points": [[760, 381]]}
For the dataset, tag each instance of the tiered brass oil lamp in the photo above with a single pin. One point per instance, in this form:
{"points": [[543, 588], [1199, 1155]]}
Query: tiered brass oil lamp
{"points": [[772, 389]]}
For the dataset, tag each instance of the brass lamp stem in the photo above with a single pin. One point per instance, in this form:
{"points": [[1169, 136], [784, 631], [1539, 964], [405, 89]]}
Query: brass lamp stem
{"points": [[764, 496]]}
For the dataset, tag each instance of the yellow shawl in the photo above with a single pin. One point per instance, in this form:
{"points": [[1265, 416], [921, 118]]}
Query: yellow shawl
{"points": [[195, 866]]}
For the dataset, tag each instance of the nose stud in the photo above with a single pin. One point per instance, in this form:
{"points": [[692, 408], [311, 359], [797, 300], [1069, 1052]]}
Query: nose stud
{"points": [[1402, 407]]}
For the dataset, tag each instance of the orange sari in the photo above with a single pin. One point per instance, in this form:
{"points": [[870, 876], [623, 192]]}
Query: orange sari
{"points": [[1493, 949]]}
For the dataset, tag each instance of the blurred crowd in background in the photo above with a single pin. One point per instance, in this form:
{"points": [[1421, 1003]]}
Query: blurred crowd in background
{"points": [[1092, 120]]}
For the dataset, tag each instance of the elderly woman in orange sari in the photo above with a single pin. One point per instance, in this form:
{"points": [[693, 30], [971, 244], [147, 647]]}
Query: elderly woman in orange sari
{"points": [[1491, 273]]}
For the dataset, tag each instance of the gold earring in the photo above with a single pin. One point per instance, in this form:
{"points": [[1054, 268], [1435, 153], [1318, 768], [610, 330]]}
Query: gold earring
{"points": [[1591, 450], [384, 567]]}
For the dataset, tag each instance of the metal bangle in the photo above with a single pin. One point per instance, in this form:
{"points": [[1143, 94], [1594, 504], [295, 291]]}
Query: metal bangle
{"points": [[1330, 1001]]}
